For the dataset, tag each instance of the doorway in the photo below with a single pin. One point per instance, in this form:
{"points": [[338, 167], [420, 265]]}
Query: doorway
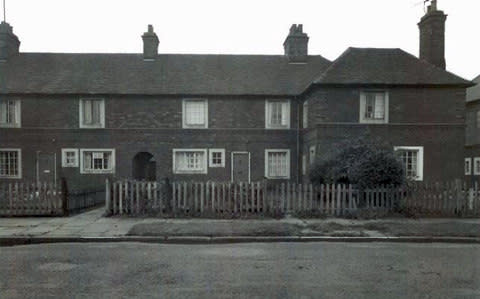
{"points": [[144, 167], [240, 167]]}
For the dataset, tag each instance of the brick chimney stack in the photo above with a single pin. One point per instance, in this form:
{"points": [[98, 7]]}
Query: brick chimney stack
{"points": [[432, 36], [9, 43], [150, 44], [296, 44]]}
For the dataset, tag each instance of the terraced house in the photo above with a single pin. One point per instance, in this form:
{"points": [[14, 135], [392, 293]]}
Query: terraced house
{"points": [[225, 117]]}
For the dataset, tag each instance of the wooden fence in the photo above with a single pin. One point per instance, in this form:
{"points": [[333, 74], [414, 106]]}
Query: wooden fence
{"points": [[230, 200], [31, 199]]}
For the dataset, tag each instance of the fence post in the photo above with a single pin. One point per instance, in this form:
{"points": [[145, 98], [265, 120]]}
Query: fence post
{"points": [[107, 197], [64, 191]]}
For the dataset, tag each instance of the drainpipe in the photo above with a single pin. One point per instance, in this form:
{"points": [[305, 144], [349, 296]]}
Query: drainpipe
{"points": [[298, 139]]}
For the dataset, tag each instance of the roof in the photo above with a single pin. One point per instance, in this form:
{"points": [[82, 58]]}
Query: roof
{"points": [[48, 73], [385, 67], [473, 93]]}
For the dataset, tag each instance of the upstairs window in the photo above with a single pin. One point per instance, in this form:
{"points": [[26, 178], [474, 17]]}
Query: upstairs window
{"points": [[9, 113], [277, 164], [195, 113], [92, 113], [190, 161], [277, 114], [374, 107], [10, 163], [412, 160], [97, 161]]}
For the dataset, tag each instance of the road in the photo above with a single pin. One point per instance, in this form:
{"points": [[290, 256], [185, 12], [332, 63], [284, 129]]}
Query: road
{"points": [[256, 270]]}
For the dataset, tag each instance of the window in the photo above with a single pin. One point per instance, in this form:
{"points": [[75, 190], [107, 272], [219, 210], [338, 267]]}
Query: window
{"points": [[277, 164], [477, 119], [476, 166], [412, 159], [97, 161], [195, 113], [10, 163], [190, 161], [313, 154], [305, 114], [277, 114], [92, 113], [69, 157], [10, 113], [468, 166], [374, 107], [217, 157]]}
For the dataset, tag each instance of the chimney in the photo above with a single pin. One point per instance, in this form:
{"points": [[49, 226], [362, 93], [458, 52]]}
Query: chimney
{"points": [[9, 43], [296, 44], [432, 36], [150, 44]]}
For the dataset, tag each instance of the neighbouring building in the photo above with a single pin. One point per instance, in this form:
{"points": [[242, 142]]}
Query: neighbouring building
{"points": [[472, 138], [86, 117]]}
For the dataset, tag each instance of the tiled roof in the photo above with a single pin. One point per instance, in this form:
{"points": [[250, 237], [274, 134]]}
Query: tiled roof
{"points": [[46, 73], [385, 67], [473, 93]]}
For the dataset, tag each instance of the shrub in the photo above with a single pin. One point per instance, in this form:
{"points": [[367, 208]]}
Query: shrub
{"points": [[363, 162]]}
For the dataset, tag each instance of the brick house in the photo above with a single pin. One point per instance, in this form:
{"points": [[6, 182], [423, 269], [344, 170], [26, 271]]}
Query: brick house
{"points": [[86, 117], [472, 138]]}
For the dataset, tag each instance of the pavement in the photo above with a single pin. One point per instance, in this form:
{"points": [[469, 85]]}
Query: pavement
{"points": [[91, 226]]}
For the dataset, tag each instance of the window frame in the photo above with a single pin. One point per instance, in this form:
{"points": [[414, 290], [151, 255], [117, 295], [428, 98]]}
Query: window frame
{"points": [[287, 151], [305, 115], [363, 103], [64, 157], [467, 170], [97, 171], [19, 163], [205, 162], [18, 114], [185, 125], [475, 170], [420, 158], [82, 125], [210, 157], [268, 108]]}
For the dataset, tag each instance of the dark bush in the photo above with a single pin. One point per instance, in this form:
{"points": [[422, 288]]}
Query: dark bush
{"points": [[363, 162]]}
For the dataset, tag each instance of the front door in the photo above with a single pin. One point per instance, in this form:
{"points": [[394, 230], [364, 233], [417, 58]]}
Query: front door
{"points": [[46, 167], [241, 167]]}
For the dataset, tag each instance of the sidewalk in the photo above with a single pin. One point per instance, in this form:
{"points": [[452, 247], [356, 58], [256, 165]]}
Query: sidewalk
{"points": [[91, 225]]}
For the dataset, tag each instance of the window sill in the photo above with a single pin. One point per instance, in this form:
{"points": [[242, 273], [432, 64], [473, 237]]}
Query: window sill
{"points": [[10, 126], [10, 177], [97, 172], [190, 172]]}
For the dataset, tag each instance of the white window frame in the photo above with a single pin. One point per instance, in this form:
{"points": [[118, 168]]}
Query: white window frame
{"points": [[97, 171], [64, 157], [363, 103], [305, 114], [312, 154], [287, 151], [102, 114], [210, 157], [19, 163], [185, 125], [420, 156], [181, 171], [18, 115], [268, 108], [476, 171], [467, 169]]}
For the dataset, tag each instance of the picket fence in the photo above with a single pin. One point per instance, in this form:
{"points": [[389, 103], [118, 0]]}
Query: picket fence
{"points": [[31, 199], [230, 200]]}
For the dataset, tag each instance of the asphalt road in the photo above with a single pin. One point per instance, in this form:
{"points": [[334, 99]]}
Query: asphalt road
{"points": [[256, 270]]}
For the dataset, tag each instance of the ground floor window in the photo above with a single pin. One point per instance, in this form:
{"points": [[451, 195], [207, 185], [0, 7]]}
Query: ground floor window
{"points": [[69, 157], [217, 157], [97, 161], [468, 166], [10, 163], [412, 159], [476, 166], [190, 161], [277, 164]]}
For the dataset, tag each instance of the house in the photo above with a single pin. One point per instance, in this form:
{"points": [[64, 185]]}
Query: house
{"points": [[472, 138], [86, 117]]}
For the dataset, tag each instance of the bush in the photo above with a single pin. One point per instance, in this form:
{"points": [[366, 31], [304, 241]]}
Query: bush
{"points": [[363, 162]]}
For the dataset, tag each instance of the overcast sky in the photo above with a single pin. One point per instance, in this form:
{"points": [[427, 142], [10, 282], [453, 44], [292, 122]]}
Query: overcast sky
{"points": [[241, 27]]}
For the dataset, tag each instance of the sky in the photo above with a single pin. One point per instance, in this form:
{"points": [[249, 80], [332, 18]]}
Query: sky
{"points": [[241, 27]]}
